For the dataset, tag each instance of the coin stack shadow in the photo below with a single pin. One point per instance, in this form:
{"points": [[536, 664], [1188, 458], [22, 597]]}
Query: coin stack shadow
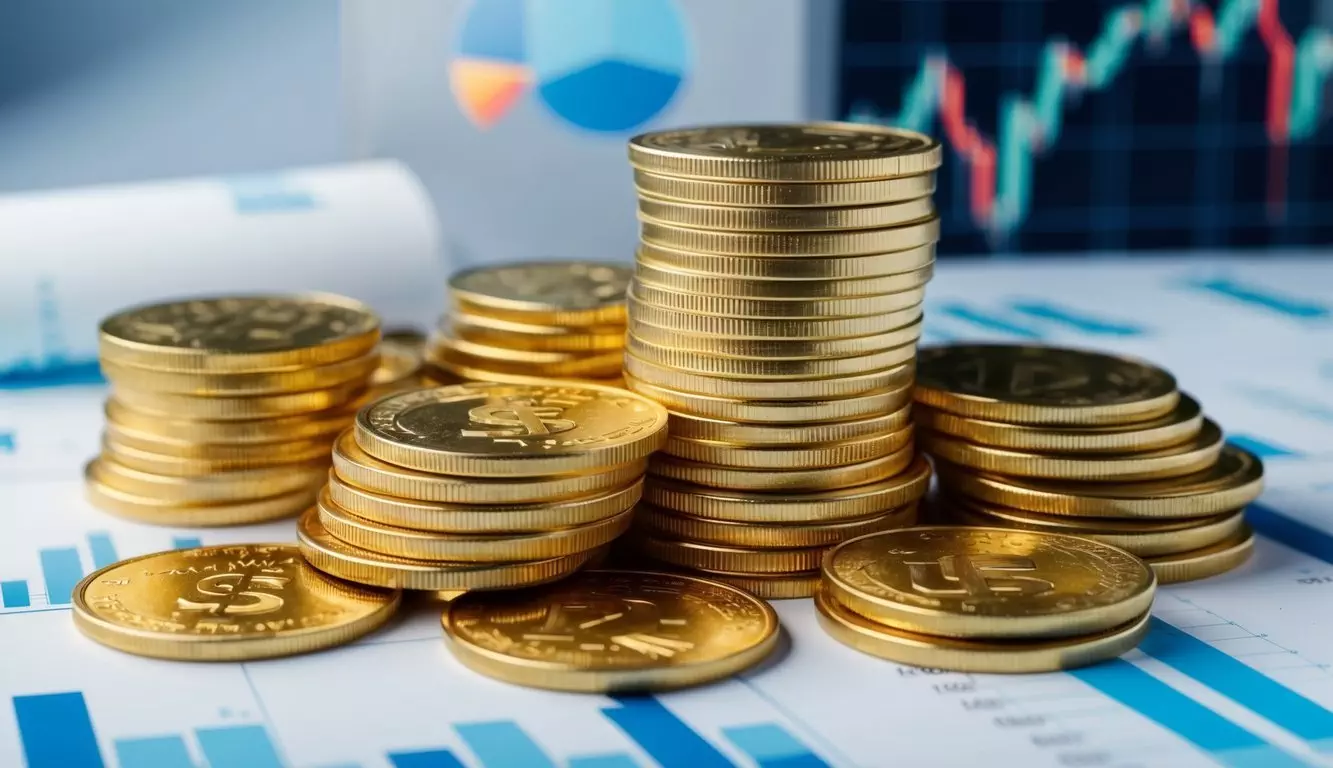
{"points": [[197, 436], [774, 312], [1151, 475], [492, 334]]}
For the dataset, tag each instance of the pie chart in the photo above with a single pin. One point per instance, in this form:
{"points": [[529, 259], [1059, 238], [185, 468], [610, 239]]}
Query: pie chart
{"points": [[601, 65]]}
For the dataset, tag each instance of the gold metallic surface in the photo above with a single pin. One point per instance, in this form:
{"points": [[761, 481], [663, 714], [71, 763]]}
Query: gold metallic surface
{"points": [[555, 292], [565, 365], [770, 328], [174, 406], [245, 432], [777, 195], [787, 268], [1202, 563], [714, 476], [241, 455], [775, 349], [173, 512], [515, 335], [816, 456], [759, 389], [751, 368], [778, 411], [768, 586], [715, 557], [684, 425], [811, 307], [650, 273], [302, 452], [856, 242], [773, 219], [354, 371], [768, 534], [214, 488]]}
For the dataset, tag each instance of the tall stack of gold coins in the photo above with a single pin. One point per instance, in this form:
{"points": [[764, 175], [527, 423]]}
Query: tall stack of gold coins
{"points": [[222, 411], [481, 486], [985, 600], [533, 322], [1068, 441], [775, 311]]}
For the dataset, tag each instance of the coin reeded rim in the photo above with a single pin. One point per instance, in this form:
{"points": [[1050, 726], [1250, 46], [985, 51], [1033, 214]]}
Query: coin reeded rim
{"points": [[775, 411], [217, 488], [759, 389], [610, 310], [767, 586], [277, 429], [732, 218], [788, 268], [783, 195], [704, 363], [167, 511], [816, 456], [717, 557], [763, 307], [770, 535], [782, 480], [1205, 562], [352, 371], [177, 406], [855, 242], [688, 425], [775, 349], [664, 276]]}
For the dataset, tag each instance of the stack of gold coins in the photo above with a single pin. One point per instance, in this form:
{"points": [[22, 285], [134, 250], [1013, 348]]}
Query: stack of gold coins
{"points": [[1068, 441], [222, 411], [402, 365], [985, 599], [775, 311], [530, 323], [482, 485]]}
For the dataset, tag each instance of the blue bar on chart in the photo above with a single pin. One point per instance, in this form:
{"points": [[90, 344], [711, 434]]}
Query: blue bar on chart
{"points": [[104, 552], [1290, 306], [772, 746], [185, 542], [57, 731], [668, 739], [1239, 682], [14, 594], [427, 758], [988, 321], [62, 572], [609, 760], [1290, 531], [238, 746], [1224, 741], [1261, 448], [153, 752], [502, 744], [1083, 323]]}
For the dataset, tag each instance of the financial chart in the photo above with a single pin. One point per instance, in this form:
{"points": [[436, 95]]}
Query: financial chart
{"points": [[1108, 125], [1237, 670]]}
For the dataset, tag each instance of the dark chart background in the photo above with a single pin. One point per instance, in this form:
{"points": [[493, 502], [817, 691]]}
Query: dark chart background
{"points": [[1108, 125]]}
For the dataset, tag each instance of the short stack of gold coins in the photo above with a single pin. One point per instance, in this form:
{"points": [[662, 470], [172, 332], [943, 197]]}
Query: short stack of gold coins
{"points": [[222, 410], [529, 323], [481, 485], [775, 311], [1069, 441]]}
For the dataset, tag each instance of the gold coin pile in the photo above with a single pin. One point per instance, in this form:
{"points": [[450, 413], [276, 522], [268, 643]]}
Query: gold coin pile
{"points": [[482, 485], [1067, 441], [222, 410], [533, 322], [774, 311], [985, 599]]}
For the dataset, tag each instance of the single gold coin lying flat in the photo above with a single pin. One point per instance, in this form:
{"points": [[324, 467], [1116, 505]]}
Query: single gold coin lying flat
{"points": [[173, 512], [966, 655], [787, 268], [1022, 384], [555, 292], [216, 488], [324, 424], [526, 361], [359, 468], [777, 411], [1195, 455], [773, 195], [220, 455], [816, 456], [240, 334], [227, 603], [684, 425], [1234, 480], [800, 350], [1203, 563], [650, 273], [716, 557], [1174, 428], [499, 332], [613, 631], [669, 525], [303, 452], [749, 368], [338, 558], [175, 406], [816, 151], [854, 242], [714, 476], [770, 219], [758, 389], [730, 306], [770, 328], [956, 581], [766, 586], [777, 507], [355, 370]]}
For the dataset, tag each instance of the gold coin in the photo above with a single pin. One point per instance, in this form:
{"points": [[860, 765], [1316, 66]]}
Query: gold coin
{"points": [[715, 557], [1145, 538], [772, 195], [526, 361], [1197, 454], [1207, 561], [773, 535], [817, 456], [771, 389], [774, 349], [833, 504], [770, 328], [956, 581], [235, 602], [613, 631], [170, 511], [241, 334], [1022, 384], [216, 488], [322, 424], [776, 411], [965, 655], [555, 292], [728, 306], [787, 268], [240, 455], [338, 558], [818, 151], [464, 374], [766, 586], [352, 371], [174, 406], [1236, 479], [466, 548], [191, 466], [498, 332], [649, 273], [505, 430], [856, 242], [700, 428], [714, 476], [771, 219], [400, 364], [751, 368], [1174, 428], [359, 468]]}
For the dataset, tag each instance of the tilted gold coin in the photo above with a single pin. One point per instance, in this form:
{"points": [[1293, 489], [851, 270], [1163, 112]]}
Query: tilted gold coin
{"points": [[1022, 384], [839, 503], [338, 558], [966, 655], [731, 306], [714, 476], [301, 452], [555, 292], [774, 195], [1197, 454], [747, 368], [767, 586], [215, 488], [815, 151], [515, 335], [226, 603], [240, 334], [958, 581], [775, 349], [505, 430], [650, 273], [322, 424], [359, 468], [175, 406], [693, 427], [613, 631], [768, 535], [787, 268], [526, 361], [772, 219], [1236, 479], [218, 455], [770, 328], [1181, 424], [1203, 563], [716, 557], [777, 411], [854, 242], [352, 371], [816, 456], [174, 512], [772, 389]]}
